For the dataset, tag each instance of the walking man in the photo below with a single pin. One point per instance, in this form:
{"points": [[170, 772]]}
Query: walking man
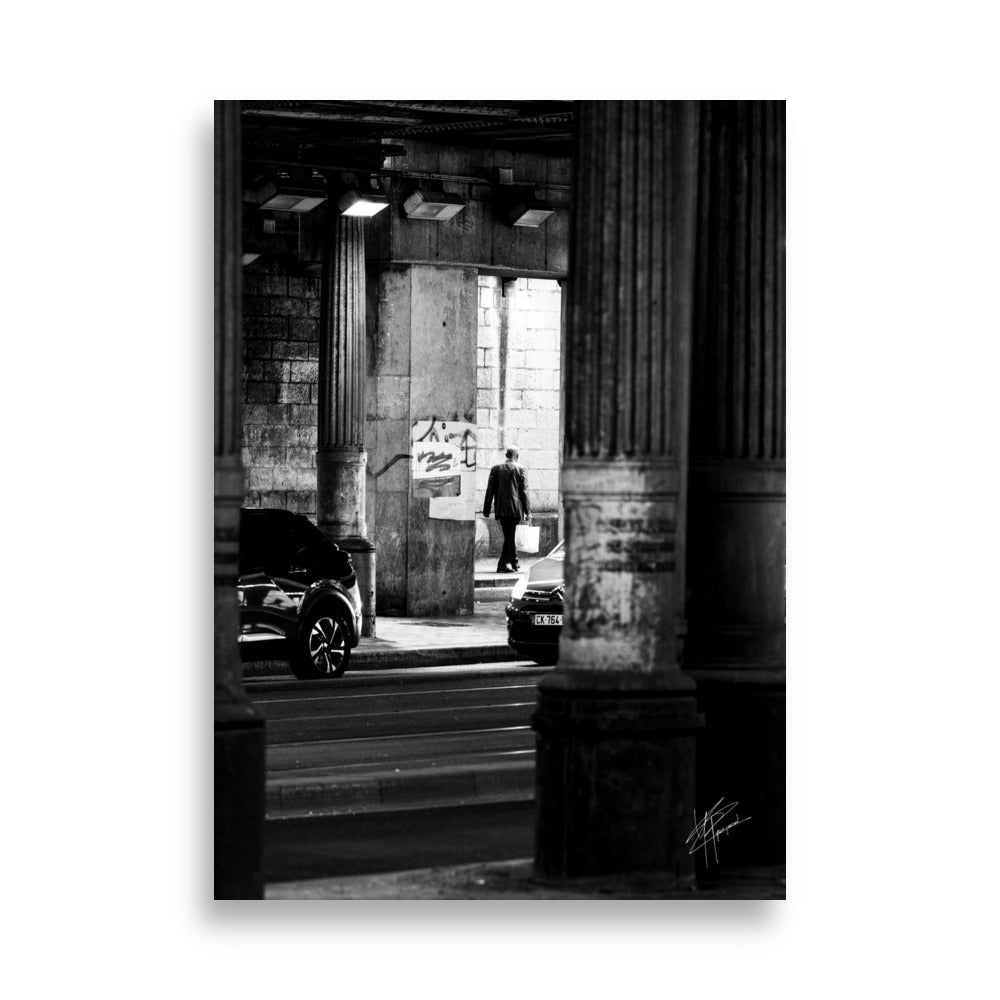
{"points": [[507, 491]]}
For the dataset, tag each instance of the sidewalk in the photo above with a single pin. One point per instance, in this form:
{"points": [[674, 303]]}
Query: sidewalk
{"points": [[516, 880], [431, 642]]}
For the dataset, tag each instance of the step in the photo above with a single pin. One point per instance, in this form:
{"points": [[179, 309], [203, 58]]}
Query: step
{"points": [[497, 579], [487, 780], [495, 587], [493, 595]]}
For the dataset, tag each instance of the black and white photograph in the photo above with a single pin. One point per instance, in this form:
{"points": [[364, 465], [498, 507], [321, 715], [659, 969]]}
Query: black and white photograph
{"points": [[500, 499], [535, 543]]}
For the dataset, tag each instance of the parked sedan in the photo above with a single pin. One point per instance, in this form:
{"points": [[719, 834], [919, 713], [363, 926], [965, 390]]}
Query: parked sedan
{"points": [[535, 611], [298, 595]]}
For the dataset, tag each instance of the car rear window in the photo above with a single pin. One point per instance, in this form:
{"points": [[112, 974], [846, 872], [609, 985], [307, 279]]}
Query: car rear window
{"points": [[302, 533], [277, 541], [264, 540]]}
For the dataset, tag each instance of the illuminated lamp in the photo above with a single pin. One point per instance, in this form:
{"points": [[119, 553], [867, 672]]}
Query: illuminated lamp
{"points": [[363, 203]]}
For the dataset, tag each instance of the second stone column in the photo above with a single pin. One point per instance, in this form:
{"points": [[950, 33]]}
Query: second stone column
{"points": [[340, 457], [616, 720]]}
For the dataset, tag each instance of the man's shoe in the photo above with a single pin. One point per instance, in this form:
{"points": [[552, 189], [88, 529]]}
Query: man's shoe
{"points": [[516, 567], [504, 568]]}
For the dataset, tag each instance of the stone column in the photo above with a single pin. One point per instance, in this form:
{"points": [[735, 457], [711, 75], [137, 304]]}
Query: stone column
{"points": [[340, 457], [736, 536], [561, 522], [239, 729], [617, 720]]}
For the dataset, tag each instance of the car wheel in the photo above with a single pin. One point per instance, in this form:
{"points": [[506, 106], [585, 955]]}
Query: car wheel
{"points": [[321, 650]]}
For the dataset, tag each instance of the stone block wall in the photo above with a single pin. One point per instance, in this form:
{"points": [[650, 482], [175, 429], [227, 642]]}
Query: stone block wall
{"points": [[518, 382], [421, 324], [280, 386]]}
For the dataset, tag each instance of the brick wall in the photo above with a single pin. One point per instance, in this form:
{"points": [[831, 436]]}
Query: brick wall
{"points": [[280, 386], [518, 398]]}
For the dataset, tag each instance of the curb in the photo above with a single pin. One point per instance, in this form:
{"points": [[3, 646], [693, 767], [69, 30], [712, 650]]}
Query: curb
{"points": [[493, 595], [382, 659], [298, 797]]}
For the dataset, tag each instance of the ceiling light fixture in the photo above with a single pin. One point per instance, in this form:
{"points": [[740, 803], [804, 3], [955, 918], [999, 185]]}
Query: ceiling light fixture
{"points": [[283, 193], [363, 203], [436, 206], [288, 201], [520, 202], [529, 211]]}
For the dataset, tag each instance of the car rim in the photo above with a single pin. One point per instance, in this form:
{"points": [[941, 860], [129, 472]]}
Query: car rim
{"points": [[326, 645]]}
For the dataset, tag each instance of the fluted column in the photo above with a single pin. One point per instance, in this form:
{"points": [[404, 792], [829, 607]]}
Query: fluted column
{"points": [[616, 721], [239, 731], [736, 539], [340, 457]]}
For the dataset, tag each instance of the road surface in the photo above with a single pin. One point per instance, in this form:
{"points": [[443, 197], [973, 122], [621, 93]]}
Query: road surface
{"points": [[418, 767]]}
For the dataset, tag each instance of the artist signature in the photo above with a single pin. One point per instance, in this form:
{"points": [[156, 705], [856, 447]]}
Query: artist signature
{"points": [[711, 827]]}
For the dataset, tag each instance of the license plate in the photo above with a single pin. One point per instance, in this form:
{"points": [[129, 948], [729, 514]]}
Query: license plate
{"points": [[546, 619]]}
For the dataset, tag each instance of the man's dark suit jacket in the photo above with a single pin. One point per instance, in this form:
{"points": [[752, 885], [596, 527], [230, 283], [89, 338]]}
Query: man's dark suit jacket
{"points": [[507, 490]]}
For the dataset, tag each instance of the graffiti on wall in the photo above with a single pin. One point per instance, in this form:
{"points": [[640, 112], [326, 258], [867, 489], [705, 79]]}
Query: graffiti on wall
{"points": [[443, 464]]}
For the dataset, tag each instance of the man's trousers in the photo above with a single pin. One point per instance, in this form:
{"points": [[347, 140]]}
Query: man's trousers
{"points": [[509, 554]]}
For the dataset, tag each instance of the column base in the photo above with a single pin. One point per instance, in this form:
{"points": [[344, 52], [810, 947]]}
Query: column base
{"points": [[363, 557], [340, 491], [741, 757], [615, 775], [239, 807], [340, 515]]}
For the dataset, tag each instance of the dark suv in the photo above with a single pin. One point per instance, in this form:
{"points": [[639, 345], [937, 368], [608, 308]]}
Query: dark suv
{"points": [[535, 611], [298, 595]]}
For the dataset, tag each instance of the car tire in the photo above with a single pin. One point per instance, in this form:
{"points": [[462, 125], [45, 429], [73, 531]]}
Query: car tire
{"points": [[321, 650]]}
